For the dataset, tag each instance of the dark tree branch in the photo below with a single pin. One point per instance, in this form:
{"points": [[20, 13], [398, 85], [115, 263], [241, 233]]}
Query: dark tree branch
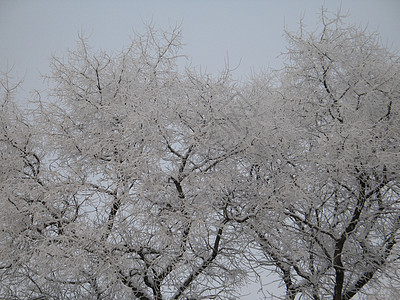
{"points": [[206, 263]]}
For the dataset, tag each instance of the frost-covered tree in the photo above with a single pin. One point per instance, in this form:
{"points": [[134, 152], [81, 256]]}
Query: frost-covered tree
{"points": [[21, 188], [133, 180], [131, 201], [331, 224]]}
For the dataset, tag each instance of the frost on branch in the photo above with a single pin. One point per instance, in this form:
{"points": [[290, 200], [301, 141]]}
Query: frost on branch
{"points": [[131, 200], [336, 224], [132, 180]]}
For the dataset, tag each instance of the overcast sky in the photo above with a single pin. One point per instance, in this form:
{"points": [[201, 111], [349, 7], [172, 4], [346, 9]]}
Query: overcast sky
{"points": [[249, 32]]}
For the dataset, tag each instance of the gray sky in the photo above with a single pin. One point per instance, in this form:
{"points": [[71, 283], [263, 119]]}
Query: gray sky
{"points": [[247, 31]]}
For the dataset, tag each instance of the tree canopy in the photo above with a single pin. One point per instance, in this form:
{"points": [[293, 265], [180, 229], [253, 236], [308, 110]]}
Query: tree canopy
{"points": [[133, 180]]}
